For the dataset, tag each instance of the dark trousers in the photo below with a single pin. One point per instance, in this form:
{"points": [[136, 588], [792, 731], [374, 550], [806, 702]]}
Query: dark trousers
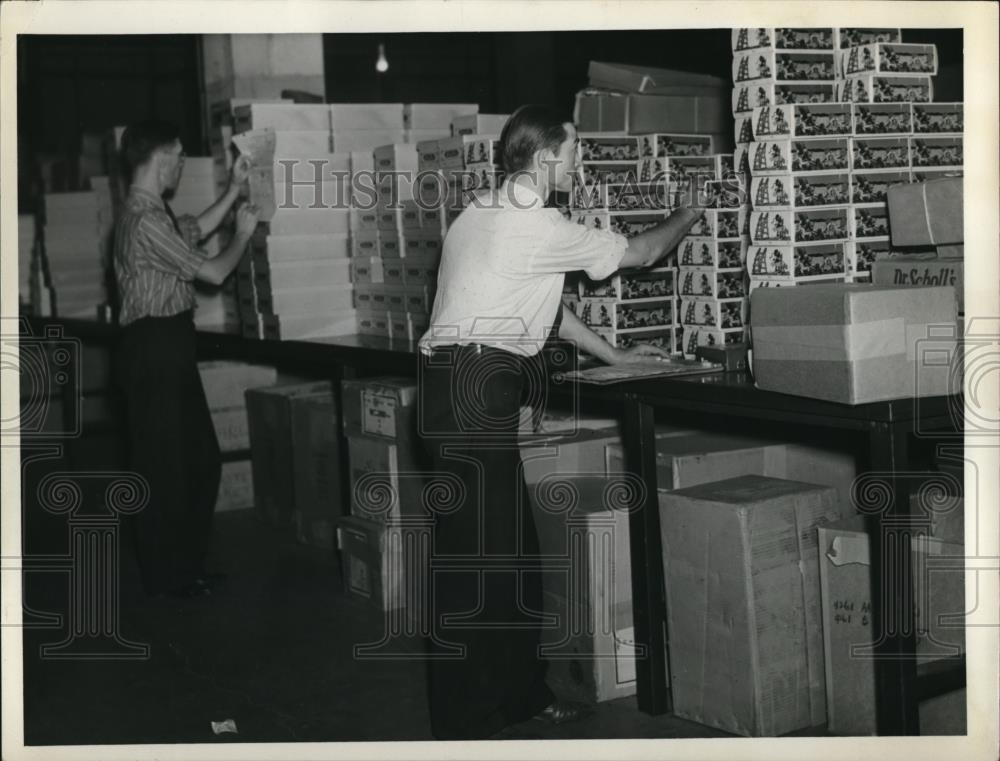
{"points": [[172, 444], [484, 560]]}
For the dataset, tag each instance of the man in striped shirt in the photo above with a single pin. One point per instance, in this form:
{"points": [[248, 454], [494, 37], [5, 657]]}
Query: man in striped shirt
{"points": [[171, 436]]}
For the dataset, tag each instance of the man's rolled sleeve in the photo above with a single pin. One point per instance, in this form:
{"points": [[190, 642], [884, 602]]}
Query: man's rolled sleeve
{"points": [[167, 251], [571, 246]]}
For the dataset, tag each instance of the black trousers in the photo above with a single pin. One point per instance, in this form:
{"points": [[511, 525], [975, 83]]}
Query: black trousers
{"points": [[485, 672], [172, 444]]}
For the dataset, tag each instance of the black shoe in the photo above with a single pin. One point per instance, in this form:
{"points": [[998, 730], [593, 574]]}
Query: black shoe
{"points": [[564, 712]]}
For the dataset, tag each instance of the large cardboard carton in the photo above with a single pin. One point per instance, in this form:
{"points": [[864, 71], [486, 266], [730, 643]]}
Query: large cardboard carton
{"points": [[743, 603], [388, 478], [927, 213], [651, 80], [270, 423], [581, 453], [855, 343], [226, 382], [845, 576], [905, 270], [316, 468], [384, 407]]}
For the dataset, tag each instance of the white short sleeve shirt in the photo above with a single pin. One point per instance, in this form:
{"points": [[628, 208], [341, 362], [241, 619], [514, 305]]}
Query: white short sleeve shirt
{"points": [[502, 269]]}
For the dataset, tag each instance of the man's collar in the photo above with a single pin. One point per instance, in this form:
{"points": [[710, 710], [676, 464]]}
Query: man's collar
{"points": [[523, 195], [147, 198]]}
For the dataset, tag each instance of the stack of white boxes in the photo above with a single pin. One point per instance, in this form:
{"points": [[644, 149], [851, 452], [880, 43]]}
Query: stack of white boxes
{"points": [[74, 250], [296, 282], [898, 134], [629, 307], [216, 308], [799, 176]]}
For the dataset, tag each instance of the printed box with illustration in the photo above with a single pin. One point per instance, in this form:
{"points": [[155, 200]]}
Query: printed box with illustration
{"points": [[797, 263]]}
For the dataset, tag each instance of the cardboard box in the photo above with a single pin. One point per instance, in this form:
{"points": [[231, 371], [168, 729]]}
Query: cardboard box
{"points": [[753, 64], [804, 39], [668, 339], [714, 313], [604, 313], [291, 327], [797, 263], [804, 65], [851, 37], [270, 424], [868, 153], [231, 428], [602, 146], [808, 226], [225, 383], [316, 469], [744, 38], [801, 120], [742, 574], [890, 58], [854, 343], [937, 152], [659, 145], [938, 118], [800, 155], [869, 221], [303, 274], [579, 454], [873, 187], [383, 407], [392, 271], [298, 302], [357, 140], [281, 117], [420, 269], [297, 248], [387, 478], [699, 337], [902, 270], [711, 283], [235, 487], [308, 222], [631, 285], [885, 88], [380, 566], [367, 269], [436, 115], [604, 111], [366, 116], [365, 243], [423, 242], [648, 79], [482, 149], [800, 191], [882, 118], [845, 577], [626, 223], [479, 124], [709, 252], [395, 157]]}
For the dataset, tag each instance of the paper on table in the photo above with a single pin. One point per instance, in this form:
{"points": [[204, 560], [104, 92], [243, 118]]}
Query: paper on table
{"points": [[635, 370]]}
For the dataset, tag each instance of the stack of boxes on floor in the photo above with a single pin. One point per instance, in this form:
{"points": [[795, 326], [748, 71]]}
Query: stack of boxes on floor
{"points": [[795, 142], [75, 240], [225, 385], [295, 283], [381, 541]]}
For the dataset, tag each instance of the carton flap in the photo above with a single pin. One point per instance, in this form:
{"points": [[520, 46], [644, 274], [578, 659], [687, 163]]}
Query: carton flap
{"points": [[849, 549]]}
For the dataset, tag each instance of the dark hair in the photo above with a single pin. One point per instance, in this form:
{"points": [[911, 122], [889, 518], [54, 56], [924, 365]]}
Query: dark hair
{"points": [[529, 129], [141, 139]]}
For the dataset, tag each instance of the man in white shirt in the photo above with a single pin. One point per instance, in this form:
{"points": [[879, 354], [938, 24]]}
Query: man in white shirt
{"points": [[499, 299]]}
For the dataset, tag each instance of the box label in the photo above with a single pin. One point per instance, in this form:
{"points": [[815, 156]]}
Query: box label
{"points": [[379, 413]]}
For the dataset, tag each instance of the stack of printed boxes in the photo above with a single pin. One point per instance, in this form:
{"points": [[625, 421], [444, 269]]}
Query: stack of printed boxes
{"points": [[899, 135], [295, 284], [795, 141], [826, 121], [629, 307]]}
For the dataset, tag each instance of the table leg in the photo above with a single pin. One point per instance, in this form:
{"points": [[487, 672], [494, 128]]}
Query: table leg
{"points": [[892, 590], [649, 609]]}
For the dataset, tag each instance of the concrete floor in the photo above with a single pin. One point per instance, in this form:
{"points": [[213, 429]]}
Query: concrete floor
{"points": [[271, 649]]}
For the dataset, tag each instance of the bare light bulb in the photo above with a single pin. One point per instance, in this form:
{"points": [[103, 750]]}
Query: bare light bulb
{"points": [[381, 65]]}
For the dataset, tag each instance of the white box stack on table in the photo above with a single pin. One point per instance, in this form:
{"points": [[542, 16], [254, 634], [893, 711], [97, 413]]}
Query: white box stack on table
{"points": [[296, 282], [898, 134], [633, 306], [74, 254], [365, 126], [432, 121]]}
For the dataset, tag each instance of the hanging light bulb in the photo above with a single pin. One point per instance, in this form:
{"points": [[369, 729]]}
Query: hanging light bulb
{"points": [[381, 65]]}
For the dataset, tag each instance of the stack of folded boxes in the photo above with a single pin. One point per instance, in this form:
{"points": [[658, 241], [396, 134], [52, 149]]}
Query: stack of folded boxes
{"points": [[629, 307], [899, 134], [222, 114], [387, 495], [794, 141], [295, 284], [75, 236]]}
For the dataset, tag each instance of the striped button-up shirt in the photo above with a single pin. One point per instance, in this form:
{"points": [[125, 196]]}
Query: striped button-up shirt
{"points": [[155, 261]]}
